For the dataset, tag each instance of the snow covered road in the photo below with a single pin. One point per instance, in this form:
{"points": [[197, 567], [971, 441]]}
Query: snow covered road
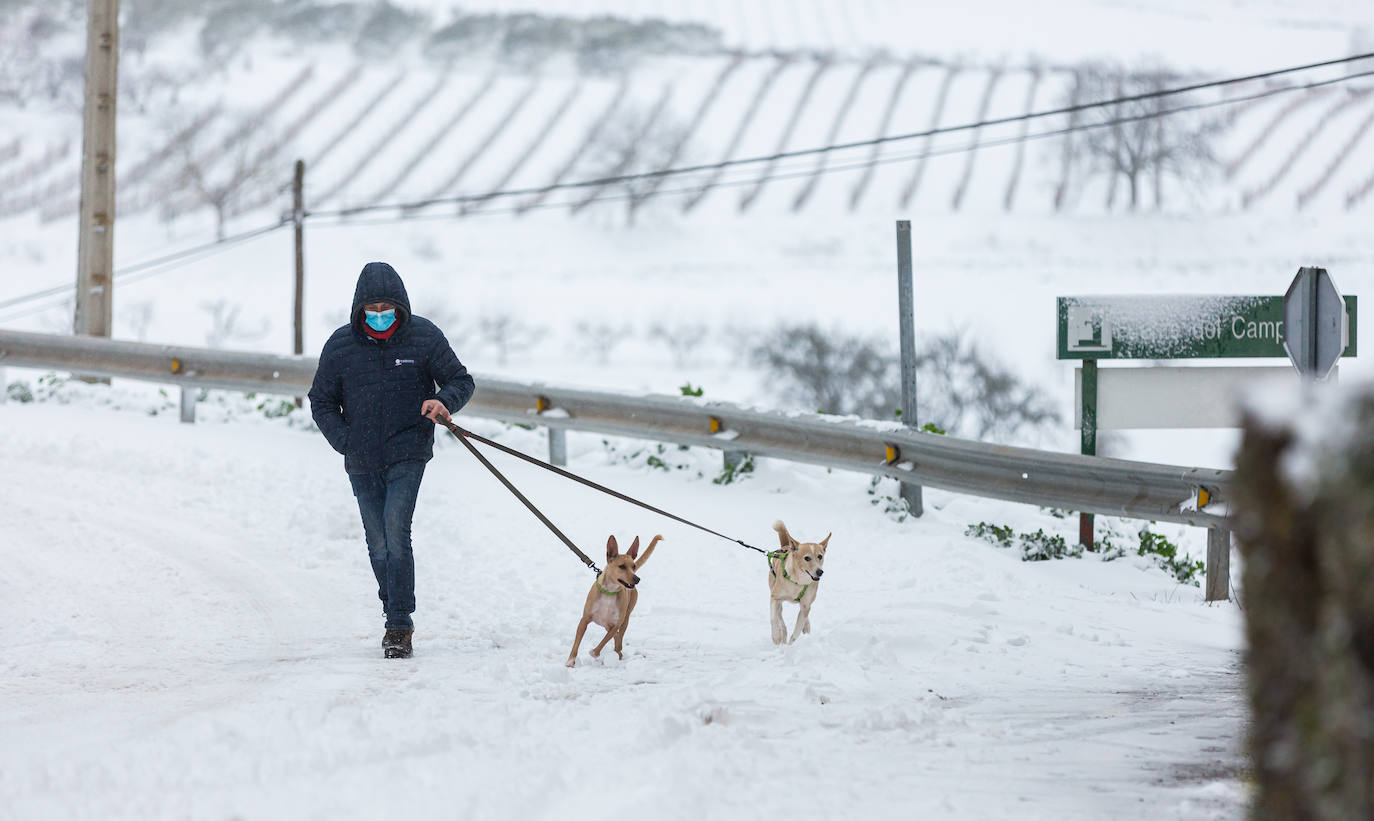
{"points": [[193, 633]]}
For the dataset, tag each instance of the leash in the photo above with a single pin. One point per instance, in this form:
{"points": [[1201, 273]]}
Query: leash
{"points": [[458, 432], [463, 435]]}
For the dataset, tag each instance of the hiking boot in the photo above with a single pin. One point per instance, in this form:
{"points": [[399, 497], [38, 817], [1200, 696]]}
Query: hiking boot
{"points": [[396, 644]]}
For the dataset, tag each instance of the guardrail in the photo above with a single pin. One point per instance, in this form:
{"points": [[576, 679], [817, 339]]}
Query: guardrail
{"points": [[1089, 484]]}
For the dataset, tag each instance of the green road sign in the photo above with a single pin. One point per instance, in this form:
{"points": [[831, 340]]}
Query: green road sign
{"points": [[1176, 327]]}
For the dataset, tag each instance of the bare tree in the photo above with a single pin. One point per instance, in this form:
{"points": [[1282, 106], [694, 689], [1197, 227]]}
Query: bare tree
{"points": [[601, 338], [37, 63], [1137, 143], [139, 316], [683, 339], [505, 333], [220, 170], [637, 141], [450, 322], [225, 325], [962, 390]]}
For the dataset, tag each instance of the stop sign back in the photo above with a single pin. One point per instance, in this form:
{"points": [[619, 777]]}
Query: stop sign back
{"points": [[1315, 327]]}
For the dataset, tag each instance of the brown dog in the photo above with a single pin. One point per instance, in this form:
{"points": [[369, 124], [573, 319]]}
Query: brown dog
{"points": [[794, 575], [613, 596]]}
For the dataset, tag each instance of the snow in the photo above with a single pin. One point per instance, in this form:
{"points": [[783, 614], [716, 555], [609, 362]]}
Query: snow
{"points": [[197, 598], [1185, 33]]}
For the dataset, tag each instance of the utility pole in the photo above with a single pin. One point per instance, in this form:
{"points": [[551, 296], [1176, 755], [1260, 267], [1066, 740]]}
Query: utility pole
{"points": [[298, 220], [906, 316], [95, 244]]}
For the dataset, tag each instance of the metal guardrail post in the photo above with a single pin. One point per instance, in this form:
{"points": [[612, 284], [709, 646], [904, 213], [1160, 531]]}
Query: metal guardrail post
{"points": [[1218, 564], [558, 447], [558, 437], [730, 459], [910, 491], [188, 404]]}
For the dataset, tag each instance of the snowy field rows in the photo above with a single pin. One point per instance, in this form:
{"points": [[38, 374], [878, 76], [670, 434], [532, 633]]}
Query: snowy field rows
{"points": [[193, 633], [476, 125]]}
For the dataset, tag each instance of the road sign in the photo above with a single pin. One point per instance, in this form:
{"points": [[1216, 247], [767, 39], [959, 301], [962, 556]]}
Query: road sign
{"points": [[1178, 327], [1318, 328], [1176, 397]]}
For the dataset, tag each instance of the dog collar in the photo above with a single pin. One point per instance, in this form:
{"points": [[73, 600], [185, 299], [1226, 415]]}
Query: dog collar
{"points": [[782, 555], [604, 590]]}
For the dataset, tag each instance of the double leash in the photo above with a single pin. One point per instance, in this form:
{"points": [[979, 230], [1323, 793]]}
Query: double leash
{"points": [[467, 437]]}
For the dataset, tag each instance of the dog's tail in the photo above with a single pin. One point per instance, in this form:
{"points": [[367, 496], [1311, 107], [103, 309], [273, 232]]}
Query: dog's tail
{"points": [[648, 551], [784, 538]]}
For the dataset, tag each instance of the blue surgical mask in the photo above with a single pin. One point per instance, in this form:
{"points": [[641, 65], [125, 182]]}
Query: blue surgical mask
{"points": [[380, 320]]}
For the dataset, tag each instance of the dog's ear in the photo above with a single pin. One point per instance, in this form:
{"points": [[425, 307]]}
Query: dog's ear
{"points": [[612, 549], [633, 552], [826, 541]]}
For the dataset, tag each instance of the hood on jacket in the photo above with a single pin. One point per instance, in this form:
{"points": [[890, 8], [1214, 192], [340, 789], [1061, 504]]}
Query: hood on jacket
{"points": [[379, 282]]}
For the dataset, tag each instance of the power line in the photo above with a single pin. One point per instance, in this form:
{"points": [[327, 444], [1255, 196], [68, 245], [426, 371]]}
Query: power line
{"points": [[131, 272], [158, 265], [162, 264], [807, 152], [807, 171]]}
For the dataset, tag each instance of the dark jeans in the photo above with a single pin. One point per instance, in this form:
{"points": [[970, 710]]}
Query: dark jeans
{"points": [[386, 500]]}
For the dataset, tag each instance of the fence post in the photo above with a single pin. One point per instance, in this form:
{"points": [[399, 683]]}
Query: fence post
{"points": [[558, 437], [911, 492], [188, 404], [558, 447], [1218, 564], [1089, 440]]}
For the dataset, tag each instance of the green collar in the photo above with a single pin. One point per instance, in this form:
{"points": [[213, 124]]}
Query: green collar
{"points": [[782, 565], [604, 590]]}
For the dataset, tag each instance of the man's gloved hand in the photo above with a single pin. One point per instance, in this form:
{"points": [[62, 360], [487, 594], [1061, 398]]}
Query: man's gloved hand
{"points": [[434, 411]]}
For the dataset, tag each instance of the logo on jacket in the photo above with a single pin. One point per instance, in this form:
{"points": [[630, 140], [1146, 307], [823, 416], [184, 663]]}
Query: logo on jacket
{"points": [[401, 362]]}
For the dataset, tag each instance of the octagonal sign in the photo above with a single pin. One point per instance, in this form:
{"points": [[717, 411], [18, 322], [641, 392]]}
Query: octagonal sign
{"points": [[1315, 327]]}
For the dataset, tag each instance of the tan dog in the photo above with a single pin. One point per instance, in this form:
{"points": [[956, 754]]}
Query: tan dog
{"points": [[794, 574], [613, 596]]}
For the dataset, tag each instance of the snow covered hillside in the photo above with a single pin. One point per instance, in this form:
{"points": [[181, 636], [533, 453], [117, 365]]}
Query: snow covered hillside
{"points": [[495, 102], [192, 631], [1181, 31]]}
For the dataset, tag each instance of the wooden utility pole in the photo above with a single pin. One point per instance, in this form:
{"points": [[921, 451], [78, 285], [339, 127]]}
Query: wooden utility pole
{"points": [[298, 220], [95, 244]]}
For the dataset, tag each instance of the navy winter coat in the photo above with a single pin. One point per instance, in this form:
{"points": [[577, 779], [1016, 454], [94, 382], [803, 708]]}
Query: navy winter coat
{"points": [[367, 392]]}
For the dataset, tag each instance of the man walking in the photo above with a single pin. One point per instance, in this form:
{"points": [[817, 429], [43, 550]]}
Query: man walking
{"points": [[384, 379]]}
